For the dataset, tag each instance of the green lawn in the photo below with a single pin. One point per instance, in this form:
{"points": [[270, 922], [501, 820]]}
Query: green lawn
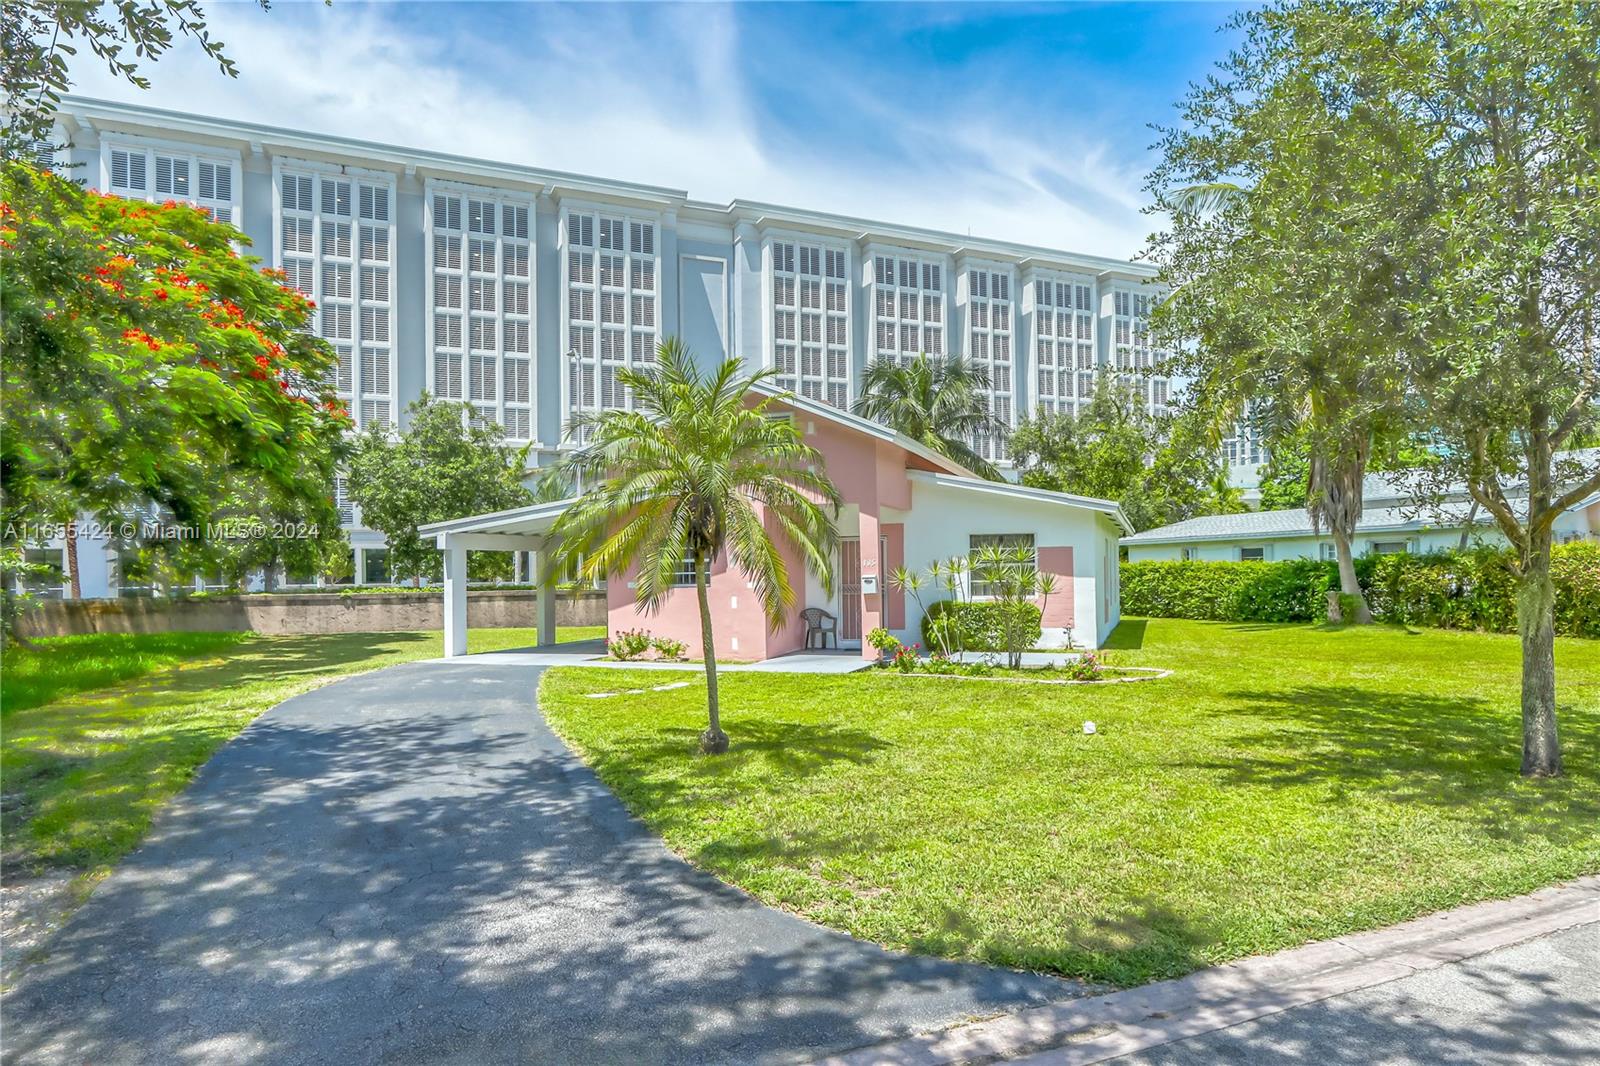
{"points": [[1286, 784], [57, 667], [84, 772]]}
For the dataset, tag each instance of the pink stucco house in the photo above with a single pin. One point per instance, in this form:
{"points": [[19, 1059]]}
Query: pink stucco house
{"points": [[904, 505]]}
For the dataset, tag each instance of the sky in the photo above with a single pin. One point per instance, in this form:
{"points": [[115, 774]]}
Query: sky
{"points": [[1021, 122]]}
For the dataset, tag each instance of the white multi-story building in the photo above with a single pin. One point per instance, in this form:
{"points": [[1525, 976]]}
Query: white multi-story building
{"points": [[521, 292]]}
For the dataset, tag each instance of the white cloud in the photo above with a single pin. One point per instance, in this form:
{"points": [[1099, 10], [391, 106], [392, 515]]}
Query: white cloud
{"points": [[593, 94]]}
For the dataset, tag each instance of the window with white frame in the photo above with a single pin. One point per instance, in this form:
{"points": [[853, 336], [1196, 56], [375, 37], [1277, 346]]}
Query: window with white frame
{"points": [[1253, 555], [989, 315], [336, 245], [1008, 542], [611, 320], [148, 172], [341, 501], [1132, 353], [1244, 447], [47, 572], [42, 152], [810, 343], [908, 307], [480, 256], [684, 576], [1063, 343]]}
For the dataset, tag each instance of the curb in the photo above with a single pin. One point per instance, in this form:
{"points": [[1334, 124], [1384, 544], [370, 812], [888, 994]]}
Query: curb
{"points": [[1105, 1027]]}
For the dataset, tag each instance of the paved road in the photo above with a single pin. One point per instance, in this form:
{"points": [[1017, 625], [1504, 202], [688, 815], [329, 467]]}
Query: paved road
{"points": [[1531, 1004], [409, 867]]}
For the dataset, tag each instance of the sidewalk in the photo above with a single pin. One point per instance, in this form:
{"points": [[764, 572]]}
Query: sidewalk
{"points": [[1106, 1027], [593, 653]]}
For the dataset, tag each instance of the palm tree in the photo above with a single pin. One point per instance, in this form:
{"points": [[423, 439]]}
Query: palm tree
{"points": [[939, 403], [701, 466]]}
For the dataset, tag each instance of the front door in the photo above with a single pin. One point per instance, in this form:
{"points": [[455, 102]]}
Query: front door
{"points": [[850, 589]]}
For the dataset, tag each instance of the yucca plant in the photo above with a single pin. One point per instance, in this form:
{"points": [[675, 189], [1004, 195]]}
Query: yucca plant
{"points": [[1014, 582], [698, 468]]}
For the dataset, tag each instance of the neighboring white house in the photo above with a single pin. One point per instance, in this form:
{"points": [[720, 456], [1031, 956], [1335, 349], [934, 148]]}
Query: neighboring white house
{"points": [[1389, 526]]}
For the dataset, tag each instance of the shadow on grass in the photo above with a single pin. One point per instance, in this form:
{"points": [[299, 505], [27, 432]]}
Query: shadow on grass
{"points": [[54, 668], [1147, 941], [1324, 626], [83, 774], [783, 749], [1459, 754], [1128, 636], [269, 658]]}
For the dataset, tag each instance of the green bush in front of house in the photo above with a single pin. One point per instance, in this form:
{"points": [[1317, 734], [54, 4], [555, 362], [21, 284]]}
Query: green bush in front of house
{"points": [[1448, 590], [1293, 591], [978, 626]]}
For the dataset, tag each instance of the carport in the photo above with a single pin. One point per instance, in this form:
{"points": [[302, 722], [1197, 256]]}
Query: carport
{"points": [[523, 529]]}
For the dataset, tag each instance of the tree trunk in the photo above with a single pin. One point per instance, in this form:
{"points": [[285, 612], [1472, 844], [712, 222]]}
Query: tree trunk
{"points": [[1349, 584], [713, 741], [1536, 620], [1466, 530], [74, 585]]}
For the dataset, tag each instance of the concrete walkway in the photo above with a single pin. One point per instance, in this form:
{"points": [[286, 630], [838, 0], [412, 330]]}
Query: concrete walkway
{"points": [[409, 867], [831, 661], [1536, 1003], [593, 653]]}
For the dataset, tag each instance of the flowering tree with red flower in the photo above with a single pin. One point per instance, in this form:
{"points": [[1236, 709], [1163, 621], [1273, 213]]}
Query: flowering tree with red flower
{"points": [[148, 363]]}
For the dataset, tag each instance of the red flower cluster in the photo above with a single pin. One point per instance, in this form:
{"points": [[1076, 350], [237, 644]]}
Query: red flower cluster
{"points": [[139, 336]]}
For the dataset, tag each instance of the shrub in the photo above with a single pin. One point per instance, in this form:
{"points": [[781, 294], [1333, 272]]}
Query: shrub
{"points": [[1448, 590], [1575, 568], [1086, 667], [957, 626], [668, 648], [1292, 591], [941, 629], [628, 644], [906, 657], [883, 640]]}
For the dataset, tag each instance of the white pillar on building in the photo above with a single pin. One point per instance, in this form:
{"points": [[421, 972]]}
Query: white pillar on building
{"points": [[545, 575], [455, 601]]}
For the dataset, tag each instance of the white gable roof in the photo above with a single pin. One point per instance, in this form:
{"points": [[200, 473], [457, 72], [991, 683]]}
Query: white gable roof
{"points": [[855, 423], [1295, 522], [1024, 492]]}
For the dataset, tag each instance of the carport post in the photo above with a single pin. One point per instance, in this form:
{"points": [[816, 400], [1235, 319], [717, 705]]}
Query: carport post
{"points": [[455, 599], [547, 598]]}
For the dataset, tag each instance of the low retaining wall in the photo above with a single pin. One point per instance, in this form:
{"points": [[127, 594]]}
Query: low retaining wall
{"points": [[290, 615]]}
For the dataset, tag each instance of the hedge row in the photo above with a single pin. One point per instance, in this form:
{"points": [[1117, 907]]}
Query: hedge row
{"points": [[1448, 590]]}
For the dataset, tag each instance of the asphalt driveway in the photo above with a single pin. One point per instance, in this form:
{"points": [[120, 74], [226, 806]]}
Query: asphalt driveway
{"points": [[409, 867]]}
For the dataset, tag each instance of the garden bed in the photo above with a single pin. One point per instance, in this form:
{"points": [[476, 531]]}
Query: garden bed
{"points": [[1037, 675], [1077, 668]]}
